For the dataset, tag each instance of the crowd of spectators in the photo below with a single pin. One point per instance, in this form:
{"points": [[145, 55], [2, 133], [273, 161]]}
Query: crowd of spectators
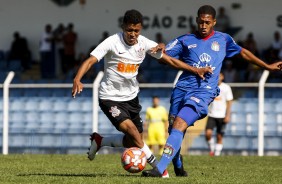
{"points": [[59, 58]]}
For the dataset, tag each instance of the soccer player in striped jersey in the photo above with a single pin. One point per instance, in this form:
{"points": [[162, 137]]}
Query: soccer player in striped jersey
{"points": [[192, 95]]}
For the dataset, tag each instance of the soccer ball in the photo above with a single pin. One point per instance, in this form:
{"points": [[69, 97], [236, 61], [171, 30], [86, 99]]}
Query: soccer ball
{"points": [[133, 160]]}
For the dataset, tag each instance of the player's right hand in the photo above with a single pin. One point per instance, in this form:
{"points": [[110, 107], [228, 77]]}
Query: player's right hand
{"points": [[275, 66], [204, 72], [76, 88], [160, 46]]}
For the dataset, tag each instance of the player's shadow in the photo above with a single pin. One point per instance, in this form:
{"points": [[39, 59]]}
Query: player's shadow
{"points": [[79, 175]]}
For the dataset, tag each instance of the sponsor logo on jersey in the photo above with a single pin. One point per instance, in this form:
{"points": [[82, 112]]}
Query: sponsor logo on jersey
{"points": [[192, 46], [195, 99], [205, 57], [168, 150], [215, 46], [115, 111], [204, 60], [127, 67], [121, 52], [171, 45]]}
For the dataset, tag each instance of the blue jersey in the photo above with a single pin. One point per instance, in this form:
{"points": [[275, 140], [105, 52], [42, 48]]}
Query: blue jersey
{"points": [[199, 52]]}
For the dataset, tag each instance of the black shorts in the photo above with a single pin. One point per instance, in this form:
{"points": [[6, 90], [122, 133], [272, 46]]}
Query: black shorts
{"points": [[117, 112], [218, 123]]}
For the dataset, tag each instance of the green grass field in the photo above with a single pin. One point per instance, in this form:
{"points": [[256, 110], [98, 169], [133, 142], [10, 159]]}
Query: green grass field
{"points": [[107, 169]]}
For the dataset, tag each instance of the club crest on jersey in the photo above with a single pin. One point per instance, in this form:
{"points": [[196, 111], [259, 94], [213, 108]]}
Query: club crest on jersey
{"points": [[115, 111], [140, 52], [205, 58], [215, 46]]}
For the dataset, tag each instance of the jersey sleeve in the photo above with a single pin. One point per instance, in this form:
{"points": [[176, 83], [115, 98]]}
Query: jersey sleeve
{"points": [[229, 94], [150, 44], [232, 48], [174, 48], [102, 49]]}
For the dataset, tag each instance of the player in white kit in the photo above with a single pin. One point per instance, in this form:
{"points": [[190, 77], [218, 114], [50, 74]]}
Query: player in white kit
{"points": [[218, 116], [123, 53]]}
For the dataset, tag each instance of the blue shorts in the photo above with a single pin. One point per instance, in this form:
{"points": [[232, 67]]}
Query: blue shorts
{"points": [[199, 100]]}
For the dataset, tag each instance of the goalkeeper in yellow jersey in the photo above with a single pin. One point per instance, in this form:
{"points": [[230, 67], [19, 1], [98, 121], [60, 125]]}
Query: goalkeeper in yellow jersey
{"points": [[157, 124]]}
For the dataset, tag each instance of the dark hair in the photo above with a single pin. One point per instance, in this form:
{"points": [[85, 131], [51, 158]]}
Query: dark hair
{"points": [[132, 17], [207, 9]]}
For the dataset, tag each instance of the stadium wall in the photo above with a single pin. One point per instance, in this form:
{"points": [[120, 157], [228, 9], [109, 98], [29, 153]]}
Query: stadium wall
{"points": [[169, 17]]}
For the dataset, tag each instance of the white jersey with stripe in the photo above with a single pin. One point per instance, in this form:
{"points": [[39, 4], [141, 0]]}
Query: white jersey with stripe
{"points": [[121, 64]]}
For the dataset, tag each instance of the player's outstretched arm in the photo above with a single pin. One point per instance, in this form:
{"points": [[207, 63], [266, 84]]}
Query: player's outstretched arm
{"points": [[183, 66], [250, 57], [86, 65]]}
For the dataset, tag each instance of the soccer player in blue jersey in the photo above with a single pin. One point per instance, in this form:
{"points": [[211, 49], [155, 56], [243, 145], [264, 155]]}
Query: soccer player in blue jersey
{"points": [[191, 96]]}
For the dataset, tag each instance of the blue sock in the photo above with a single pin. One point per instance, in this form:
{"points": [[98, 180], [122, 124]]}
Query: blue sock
{"points": [[176, 160], [171, 147]]}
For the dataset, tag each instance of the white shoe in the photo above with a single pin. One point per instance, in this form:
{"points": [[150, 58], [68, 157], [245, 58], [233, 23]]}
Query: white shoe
{"points": [[96, 140]]}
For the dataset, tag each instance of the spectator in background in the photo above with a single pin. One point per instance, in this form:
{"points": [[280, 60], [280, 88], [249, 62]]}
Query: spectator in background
{"points": [[273, 54], [276, 44], [47, 60], [59, 46], [156, 124], [100, 65], [240, 65], [222, 21], [104, 36], [19, 51], [251, 44], [254, 72], [229, 72], [69, 39], [160, 38], [218, 116]]}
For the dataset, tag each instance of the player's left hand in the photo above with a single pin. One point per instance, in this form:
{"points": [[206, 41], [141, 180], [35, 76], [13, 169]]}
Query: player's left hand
{"points": [[76, 88], [275, 66], [226, 119], [204, 72], [160, 46]]}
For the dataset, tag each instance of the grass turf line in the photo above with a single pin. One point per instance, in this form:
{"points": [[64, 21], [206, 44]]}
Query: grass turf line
{"points": [[107, 169]]}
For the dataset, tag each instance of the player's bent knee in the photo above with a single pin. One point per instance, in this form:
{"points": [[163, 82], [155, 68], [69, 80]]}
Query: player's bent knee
{"points": [[180, 124]]}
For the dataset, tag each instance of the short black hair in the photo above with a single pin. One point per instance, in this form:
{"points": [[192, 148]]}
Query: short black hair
{"points": [[207, 9], [132, 17]]}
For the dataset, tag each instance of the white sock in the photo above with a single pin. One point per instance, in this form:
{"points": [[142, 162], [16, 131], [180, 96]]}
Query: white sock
{"points": [[211, 144], [218, 148], [151, 159], [113, 141]]}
